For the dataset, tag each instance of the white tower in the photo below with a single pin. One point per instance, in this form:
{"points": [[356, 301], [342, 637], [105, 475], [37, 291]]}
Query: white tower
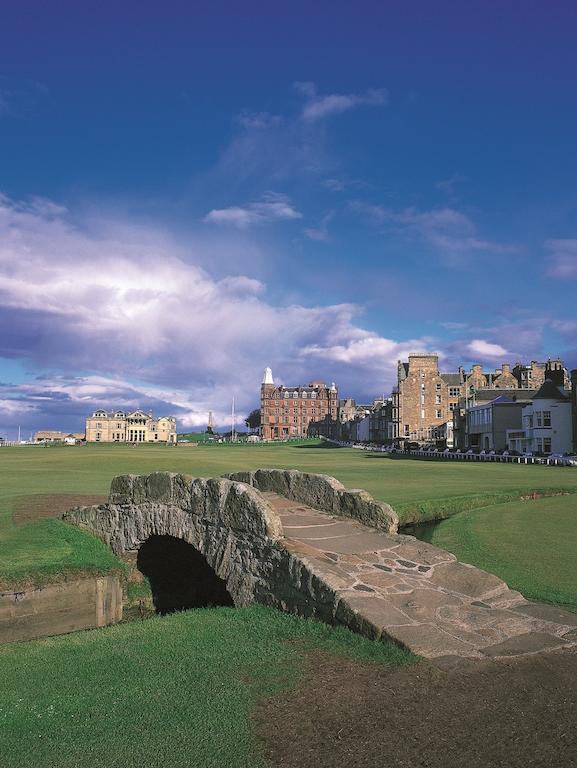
{"points": [[267, 378]]}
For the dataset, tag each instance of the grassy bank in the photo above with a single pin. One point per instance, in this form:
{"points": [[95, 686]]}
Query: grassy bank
{"points": [[176, 691], [49, 550], [530, 544]]}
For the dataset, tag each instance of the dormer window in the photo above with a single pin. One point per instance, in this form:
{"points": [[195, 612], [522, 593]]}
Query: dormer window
{"points": [[304, 395], [286, 394]]}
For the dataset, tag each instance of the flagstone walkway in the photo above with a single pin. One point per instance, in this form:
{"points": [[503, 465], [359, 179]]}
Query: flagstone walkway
{"points": [[420, 596]]}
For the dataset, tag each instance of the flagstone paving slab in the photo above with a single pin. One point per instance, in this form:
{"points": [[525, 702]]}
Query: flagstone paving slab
{"points": [[395, 587]]}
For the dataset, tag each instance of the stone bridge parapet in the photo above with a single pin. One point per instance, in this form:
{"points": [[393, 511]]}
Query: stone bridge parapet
{"points": [[324, 493]]}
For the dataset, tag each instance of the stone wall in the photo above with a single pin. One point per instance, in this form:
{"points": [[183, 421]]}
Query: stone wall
{"points": [[324, 493], [227, 522], [60, 608]]}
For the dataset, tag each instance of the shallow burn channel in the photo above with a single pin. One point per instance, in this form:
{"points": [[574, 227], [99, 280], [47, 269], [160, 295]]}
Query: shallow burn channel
{"points": [[180, 577]]}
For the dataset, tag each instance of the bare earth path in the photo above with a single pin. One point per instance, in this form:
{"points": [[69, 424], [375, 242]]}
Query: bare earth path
{"points": [[416, 594], [511, 713]]}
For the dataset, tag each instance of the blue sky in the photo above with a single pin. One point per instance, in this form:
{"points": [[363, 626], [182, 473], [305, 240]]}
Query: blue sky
{"points": [[193, 190]]}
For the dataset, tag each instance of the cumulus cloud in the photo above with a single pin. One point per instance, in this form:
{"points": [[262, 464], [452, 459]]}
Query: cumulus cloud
{"points": [[562, 258], [446, 229], [121, 315], [319, 106], [486, 350], [273, 207]]}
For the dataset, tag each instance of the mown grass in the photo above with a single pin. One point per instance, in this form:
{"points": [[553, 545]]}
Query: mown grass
{"points": [[176, 691], [530, 544], [49, 550]]}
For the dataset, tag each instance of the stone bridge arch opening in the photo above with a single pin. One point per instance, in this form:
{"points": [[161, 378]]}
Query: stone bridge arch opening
{"points": [[180, 576]]}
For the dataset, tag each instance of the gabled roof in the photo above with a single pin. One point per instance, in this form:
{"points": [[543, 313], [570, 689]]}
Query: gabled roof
{"points": [[549, 391]]}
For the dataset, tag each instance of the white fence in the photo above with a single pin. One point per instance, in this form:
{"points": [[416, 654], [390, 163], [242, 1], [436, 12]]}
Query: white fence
{"points": [[557, 461]]}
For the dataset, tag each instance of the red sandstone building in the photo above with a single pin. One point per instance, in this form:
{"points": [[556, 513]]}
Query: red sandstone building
{"points": [[292, 412]]}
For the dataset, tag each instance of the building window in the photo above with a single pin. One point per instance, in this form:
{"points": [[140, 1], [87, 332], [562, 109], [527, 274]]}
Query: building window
{"points": [[438, 413], [438, 399], [422, 413], [438, 387], [304, 395], [454, 391], [547, 445], [422, 399], [546, 419], [538, 418], [313, 395], [286, 394], [406, 430]]}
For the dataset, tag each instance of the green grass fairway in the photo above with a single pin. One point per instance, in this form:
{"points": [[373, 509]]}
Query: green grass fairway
{"points": [[529, 544], [176, 691], [46, 550]]}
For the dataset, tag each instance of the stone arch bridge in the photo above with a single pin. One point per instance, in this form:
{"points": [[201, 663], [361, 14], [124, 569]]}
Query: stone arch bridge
{"points": [[305, 544]]}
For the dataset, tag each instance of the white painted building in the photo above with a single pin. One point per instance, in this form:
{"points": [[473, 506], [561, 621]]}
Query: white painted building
{"points": [[546, 423]]}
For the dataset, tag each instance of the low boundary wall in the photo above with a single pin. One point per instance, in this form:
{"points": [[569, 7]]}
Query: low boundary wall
{"points": [[60, 608]]}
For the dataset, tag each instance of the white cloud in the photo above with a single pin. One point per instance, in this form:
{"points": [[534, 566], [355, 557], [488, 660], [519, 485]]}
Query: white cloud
{"points": [[445, 229], [273, 207], [319, 106], [562, 258], [130, 308], [485, 349]]}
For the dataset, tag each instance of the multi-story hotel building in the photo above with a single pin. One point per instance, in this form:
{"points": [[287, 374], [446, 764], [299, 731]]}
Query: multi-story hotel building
{"points": [[299, 411], [134, 427]]}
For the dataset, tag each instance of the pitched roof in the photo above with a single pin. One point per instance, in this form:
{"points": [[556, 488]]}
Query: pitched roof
{"points": [[452, 379], [549, 391]]}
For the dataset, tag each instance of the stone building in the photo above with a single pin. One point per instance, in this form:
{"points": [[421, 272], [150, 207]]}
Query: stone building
{"points": [[533, 376], [424, 398], [427, 403], [52, 436], [134, 427], [481, 397], [488, 422], [300, 411]]}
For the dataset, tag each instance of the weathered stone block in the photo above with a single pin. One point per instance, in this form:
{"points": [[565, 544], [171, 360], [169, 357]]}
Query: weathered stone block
{"points": [[121, 489], [361, 506]]}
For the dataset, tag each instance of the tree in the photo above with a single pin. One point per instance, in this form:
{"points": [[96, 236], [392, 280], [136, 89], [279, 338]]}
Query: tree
{"points": [[252, 421]]}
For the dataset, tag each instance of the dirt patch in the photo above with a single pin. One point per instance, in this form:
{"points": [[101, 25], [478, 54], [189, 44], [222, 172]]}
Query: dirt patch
{"points": [[483, 714], [40, 505]]}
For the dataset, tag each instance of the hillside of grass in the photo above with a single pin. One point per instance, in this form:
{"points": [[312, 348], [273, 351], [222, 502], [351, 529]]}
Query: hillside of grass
{"points": [[530, 544], [176, 691]]}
